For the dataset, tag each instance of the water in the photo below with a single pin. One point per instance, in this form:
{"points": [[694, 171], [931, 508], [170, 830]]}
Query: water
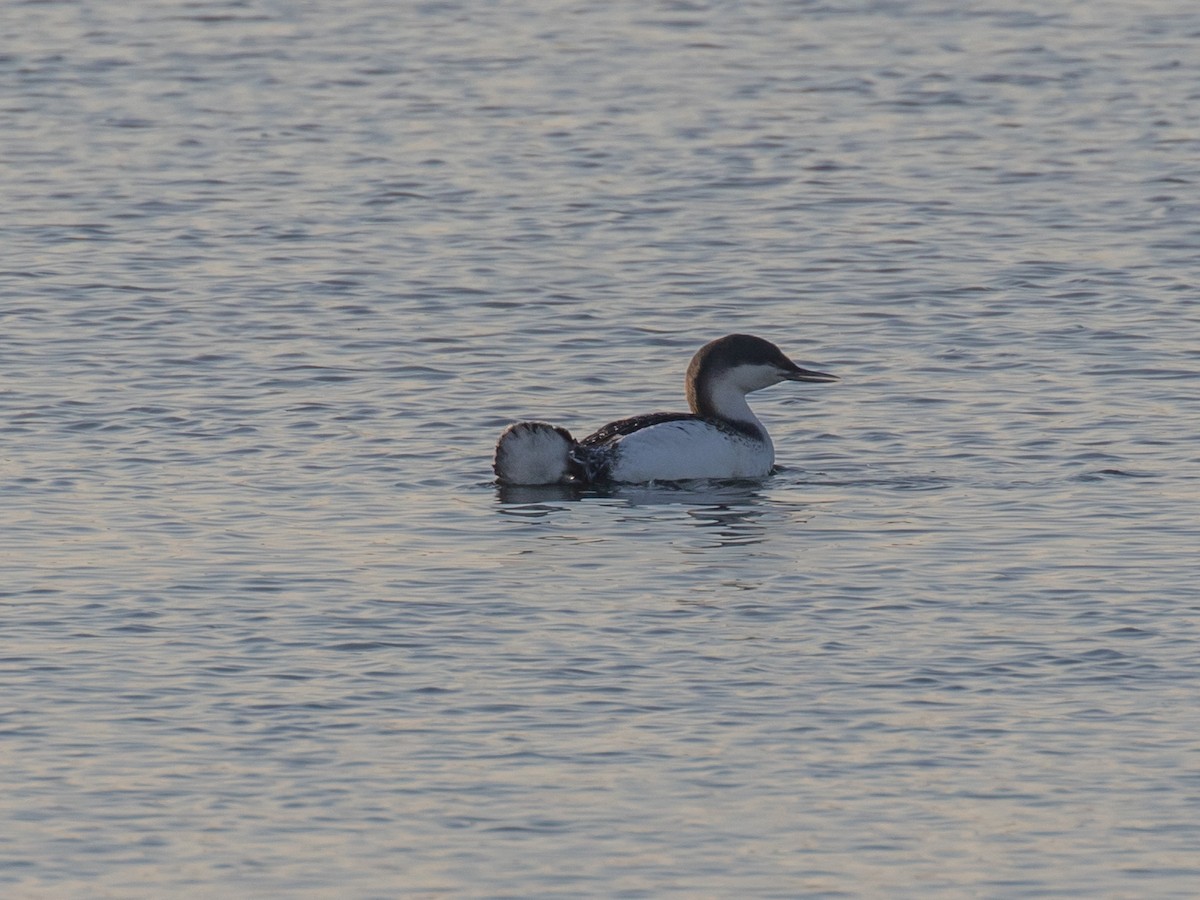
{"points": [[276, 274]]}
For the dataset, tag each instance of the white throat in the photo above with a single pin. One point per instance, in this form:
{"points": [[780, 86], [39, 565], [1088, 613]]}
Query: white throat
{"points": [[729, 402]]}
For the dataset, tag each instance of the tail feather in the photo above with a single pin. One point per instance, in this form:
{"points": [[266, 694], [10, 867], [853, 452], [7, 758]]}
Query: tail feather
{"points": [[533, 453]]}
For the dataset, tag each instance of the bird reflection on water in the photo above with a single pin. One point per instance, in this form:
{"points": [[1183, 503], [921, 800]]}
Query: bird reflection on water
{"points": [[730, 513]]}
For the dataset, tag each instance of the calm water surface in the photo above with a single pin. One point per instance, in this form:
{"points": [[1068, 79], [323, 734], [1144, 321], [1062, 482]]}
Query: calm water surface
{"points": [[274, 276]]}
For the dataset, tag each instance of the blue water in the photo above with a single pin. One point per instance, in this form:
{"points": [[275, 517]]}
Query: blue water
{"points": [[275, 275]]}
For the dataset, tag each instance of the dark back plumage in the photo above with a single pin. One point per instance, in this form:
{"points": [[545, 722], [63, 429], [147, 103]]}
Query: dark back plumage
{"points": [[622, 427]]}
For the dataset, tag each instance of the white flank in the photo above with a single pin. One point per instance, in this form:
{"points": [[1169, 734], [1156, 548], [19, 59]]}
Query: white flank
{"points": [[674, 451]]}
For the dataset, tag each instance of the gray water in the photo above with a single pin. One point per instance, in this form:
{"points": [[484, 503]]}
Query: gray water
{"points": [[275, 274]]}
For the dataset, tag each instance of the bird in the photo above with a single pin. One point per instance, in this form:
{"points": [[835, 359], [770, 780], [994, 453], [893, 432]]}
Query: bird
{"points": [[720, 438]]}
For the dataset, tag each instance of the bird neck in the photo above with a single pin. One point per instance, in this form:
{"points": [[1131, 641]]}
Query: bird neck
{"points": [[724, 402]]}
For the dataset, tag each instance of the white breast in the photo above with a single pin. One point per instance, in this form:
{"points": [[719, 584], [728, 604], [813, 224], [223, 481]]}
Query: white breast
{"points": [[674, 451]]}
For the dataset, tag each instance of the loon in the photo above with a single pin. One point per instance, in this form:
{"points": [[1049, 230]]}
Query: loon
{"points": [[720, 438]]}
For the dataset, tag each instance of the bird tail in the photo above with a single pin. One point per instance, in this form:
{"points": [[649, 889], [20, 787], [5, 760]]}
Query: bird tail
{"points": [[533, 453]]}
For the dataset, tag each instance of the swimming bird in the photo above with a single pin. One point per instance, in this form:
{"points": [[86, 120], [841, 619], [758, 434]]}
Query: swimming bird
{"points": [[720, 438]]}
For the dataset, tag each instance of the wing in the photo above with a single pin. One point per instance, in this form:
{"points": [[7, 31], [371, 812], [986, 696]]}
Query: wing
{"points": [[670, 447], [593, 458]]}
